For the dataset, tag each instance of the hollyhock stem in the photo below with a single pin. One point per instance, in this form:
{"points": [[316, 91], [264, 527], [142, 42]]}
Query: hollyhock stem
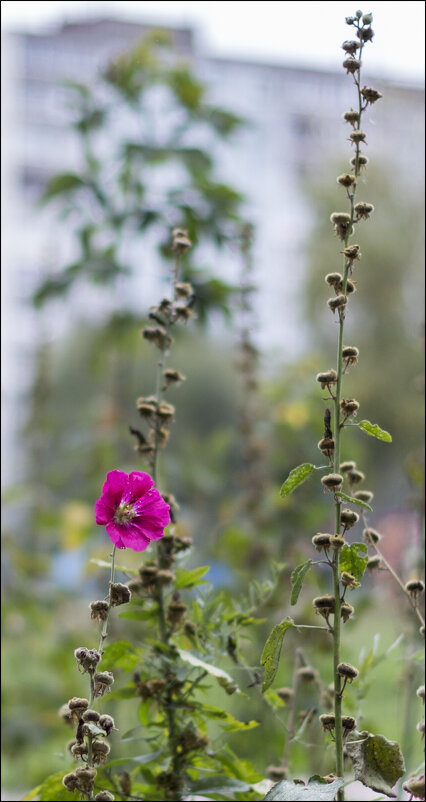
{"points": [[104, 630]]}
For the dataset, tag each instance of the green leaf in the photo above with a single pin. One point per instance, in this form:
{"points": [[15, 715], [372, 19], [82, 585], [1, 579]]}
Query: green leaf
{"points": [[51, 790], [235, 767], [352, 561], [271, 653], [139, 615], [104, 564], [61, 184], [317, 790], [226, 720], [297, 579], [139, 759], [120, 654], [188, 579], [296, 477], [377, 762], [374, 430], [224, 679], [352, 500]]}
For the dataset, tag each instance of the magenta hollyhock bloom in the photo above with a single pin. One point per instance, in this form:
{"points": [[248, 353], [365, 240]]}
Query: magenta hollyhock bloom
{"points": [[132, 510]]}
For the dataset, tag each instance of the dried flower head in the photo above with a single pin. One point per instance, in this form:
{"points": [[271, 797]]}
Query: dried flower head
{"points": [[363, 210], [91, 715], [99, 610], [370, 95], [307, 674], [362, 161], [332, 482], [324, 605], [79, 751], [337, 542], [181, 241], [346, 611], [350, 46], [346, 180], [157, 335], [147, 406], [373, 562], [85, 779], [351, 117], [364, 495], [415, 587], [352, 253], [70, 781], [285, 694], [357, 136], [349, 465], [321, 541], [326, 446], [349, 407], [347, 671], [66, 714], [104, 796], [148, 575], [176, 612], [106, 723], [171, 376], [349, 518], [351, 65], [164, 577], [371, 535], [78, 706], [87, 659], [349, 581], [333, 279], [165, 412], [103, 681], [350, 286], [350, 355], [348, 724], [184, 289], [342, 224], [119, 594], [356, 477], [326, 378], [132, 510], [338, 302], [100, 750], [327, 721]]}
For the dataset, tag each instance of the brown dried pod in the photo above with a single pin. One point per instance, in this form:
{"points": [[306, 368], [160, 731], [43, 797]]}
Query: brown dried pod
{"points": [[99, 610], [370, 95], [363, 210], [347, 671], [332, 482], [348, 518], [327, 721], [103, 681], [321, 541], [119, 594]]}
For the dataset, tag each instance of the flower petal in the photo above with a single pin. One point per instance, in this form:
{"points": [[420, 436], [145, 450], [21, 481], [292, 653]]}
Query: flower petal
{"points": [[131, 536], [115, 484], [104, 510], [114, 532], [139, 484]]}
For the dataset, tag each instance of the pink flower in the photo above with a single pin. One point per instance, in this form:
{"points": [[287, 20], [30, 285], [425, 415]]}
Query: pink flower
{"points": [[132, 510]]}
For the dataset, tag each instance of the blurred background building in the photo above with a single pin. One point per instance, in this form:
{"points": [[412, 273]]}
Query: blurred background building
{"points": [[292, 134]]}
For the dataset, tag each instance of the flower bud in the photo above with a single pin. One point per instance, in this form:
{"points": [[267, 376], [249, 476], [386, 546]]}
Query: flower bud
{"points": [[351, 65], [356, 477], [327, 378], [276, 773], [364, 495], [119, 594], [332, 482], [349, 518], [321, 541], [103, 681], [285, 694], [99, 610], [365, 34], [358, 14], [363, 210], [349, 20], [373, 562], [367, 19], [347, 671], [104, 796], [371, 536]]}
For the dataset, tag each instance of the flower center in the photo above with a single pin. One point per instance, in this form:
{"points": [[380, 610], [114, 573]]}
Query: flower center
{"points": [[124, 513]]}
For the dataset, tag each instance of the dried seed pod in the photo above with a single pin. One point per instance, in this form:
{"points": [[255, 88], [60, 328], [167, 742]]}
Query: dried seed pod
{"points": [[157, 335], [342, 224], [371, 536], [332, 482], [106, 723], [165, 412], [347, 671], [364, 495], [148, 575], [328, 721], [324, 605], [338, 302], [370, 95], [351, 117], [349, 518], [176, 612], [349, 407], [135, 586], [321, 541], [91, 715], [351, 65], [356, 477], [78, 706], [326, 446], [333, 279], [119, 594], [348, 724], [350, 354], [374, 562], [363, 210], [420, 692], [100, 750], [352, 253], [350, 287], [171, 376], [70, 781], [79, 751], [165, 577], [184, 289], [66, 714], [87, 659], [104, 796], [183, 313], [285, 694], [103, 681], [337, 542], [349, 581], [276, 773], [362, 161], [347, 466], [346, 611], [147, 406], [99, 610], [415, 587], [307, 674], [181, 241], [85, 779], [346, 180], [350, 46], [326, 378], [357, 136]]}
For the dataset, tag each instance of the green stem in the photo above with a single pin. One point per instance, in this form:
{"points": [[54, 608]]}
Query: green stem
{"points": [[104, 630]]}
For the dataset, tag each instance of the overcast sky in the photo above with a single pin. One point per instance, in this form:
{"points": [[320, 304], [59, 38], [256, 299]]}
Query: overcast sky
{"points": [[282, 32]]}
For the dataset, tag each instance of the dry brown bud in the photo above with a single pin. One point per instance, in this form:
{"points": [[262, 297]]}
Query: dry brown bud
{"points": [[337, 542], [165, 412], [364, 495], [373, 562], [326, 446], [349, 518], [356, 477], [176, 612], [370, 95], [104, 796], [337, 302], [99, 610], [346, 179], [363, 210], [321, 541], [351, 65], [347, 466], [327, 721], [357, 136], [106, 723], [103, 681], [349, 581], [349, 407], [100, 750], [415, 587], [347, 671], [326, 378], [362, 161], [352, 252], [350, 46], [371, 536], [333, 279], [119, 594], [332, 482], [351, 117], [91, 715], [348, 724], [346, 611], [350, 355]]}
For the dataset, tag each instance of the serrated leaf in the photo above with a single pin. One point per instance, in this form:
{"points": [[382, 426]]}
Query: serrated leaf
{"points": [[295, 478], [297, 579], [352, 500], [188, 579], [224, 679], [119, 654], [271, 652], [317, 789], [374, 430], [351, 561], [377, 762]]}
